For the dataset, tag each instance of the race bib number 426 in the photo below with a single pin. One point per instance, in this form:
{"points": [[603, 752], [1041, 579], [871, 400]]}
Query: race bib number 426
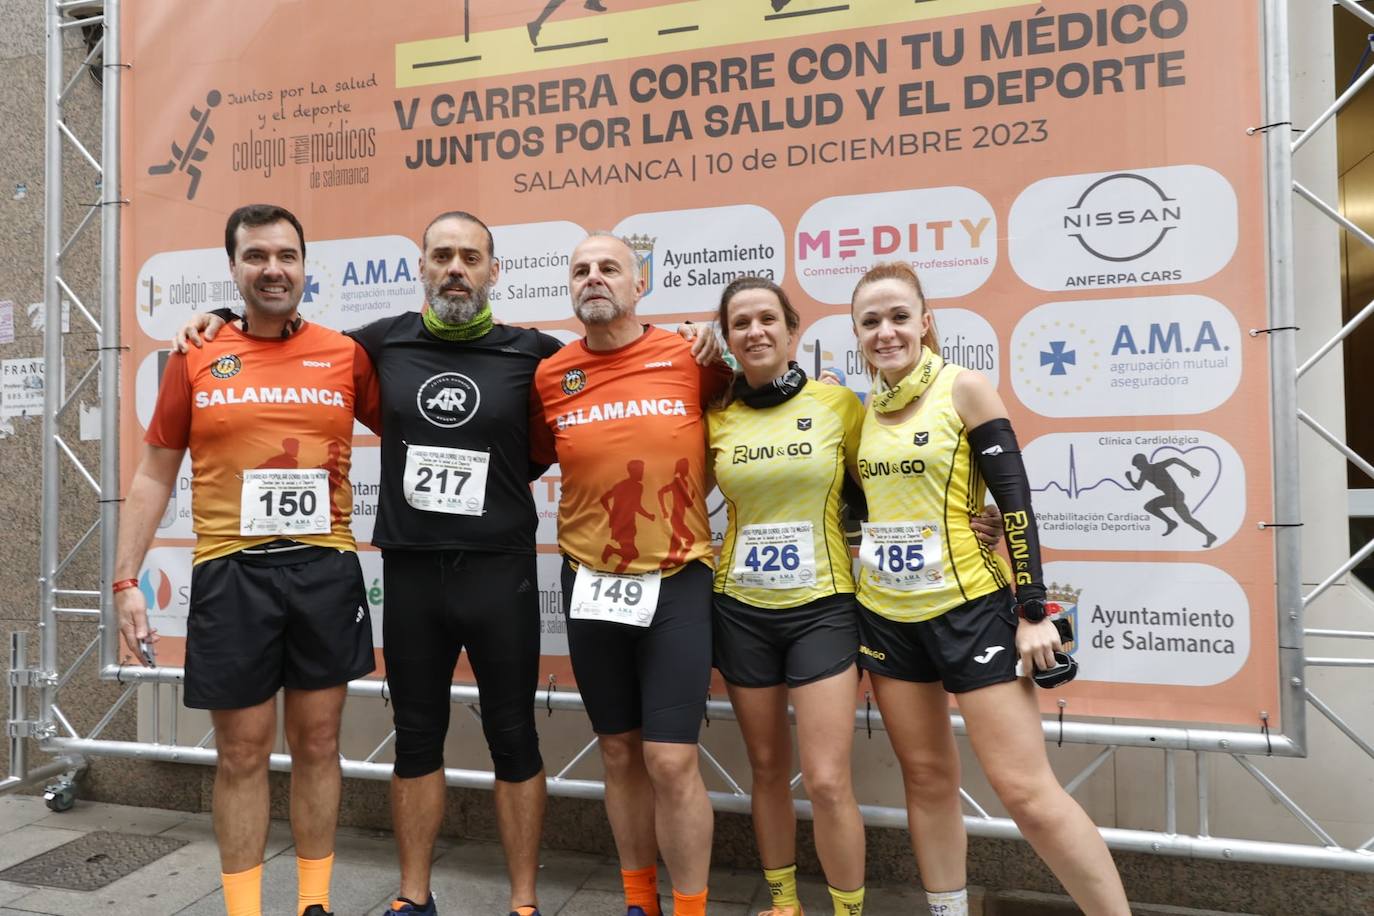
{"points": [[779, 555], [285, 502], [903, 555]]}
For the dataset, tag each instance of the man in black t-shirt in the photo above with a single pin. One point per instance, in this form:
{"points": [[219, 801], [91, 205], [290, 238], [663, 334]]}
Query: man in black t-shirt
{"points": [[456, 526]]}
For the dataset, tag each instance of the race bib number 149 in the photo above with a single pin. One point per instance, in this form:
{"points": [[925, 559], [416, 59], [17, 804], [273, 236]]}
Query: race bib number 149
{"points": [[615, 597]]}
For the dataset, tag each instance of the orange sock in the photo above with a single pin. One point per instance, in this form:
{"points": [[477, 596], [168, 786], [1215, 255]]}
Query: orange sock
{"points": [[689, 904], [641, 889], [243, 892], [312, 882]]}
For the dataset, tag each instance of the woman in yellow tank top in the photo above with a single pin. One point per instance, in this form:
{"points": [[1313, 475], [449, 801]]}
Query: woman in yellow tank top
{"points": [[783, 618], [937, 613]]}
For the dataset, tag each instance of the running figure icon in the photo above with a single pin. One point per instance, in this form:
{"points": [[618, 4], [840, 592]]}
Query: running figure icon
{"points": [[684, 496], [1171, 496], [623, 502], [595, 6]]}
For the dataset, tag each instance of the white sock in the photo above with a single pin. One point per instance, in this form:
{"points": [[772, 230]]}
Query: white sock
{"points": [[948, 903]]}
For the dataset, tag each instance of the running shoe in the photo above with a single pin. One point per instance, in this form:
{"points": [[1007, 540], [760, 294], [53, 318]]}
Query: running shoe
{"points": [[316, 910], [783, 911], [526, 911], [410, 906]]}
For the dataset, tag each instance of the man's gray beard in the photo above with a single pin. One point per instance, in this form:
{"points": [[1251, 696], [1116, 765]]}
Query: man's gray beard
{"points": [[602, 312], [451, 309]]}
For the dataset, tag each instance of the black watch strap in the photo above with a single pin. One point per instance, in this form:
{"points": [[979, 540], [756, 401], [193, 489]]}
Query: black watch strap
{"points": [[1032, 610]]}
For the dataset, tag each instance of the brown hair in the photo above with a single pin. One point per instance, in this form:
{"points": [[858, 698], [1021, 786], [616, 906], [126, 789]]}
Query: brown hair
{"points": [[747, 282], [733, 289], [902, 272]]}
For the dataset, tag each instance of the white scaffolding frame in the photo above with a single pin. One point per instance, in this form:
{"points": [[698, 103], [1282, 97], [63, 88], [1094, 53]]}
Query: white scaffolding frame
{"points": [[35, 689]]}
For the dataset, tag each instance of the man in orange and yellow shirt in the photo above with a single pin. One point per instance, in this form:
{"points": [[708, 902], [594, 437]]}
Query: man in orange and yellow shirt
{"points": [[277, 595], [621, 412]]}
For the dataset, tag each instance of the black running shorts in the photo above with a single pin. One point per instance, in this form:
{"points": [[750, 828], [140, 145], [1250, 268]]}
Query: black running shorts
{"points": [[439, 602], [764, 647], [296, 619], [651, 678], [971, 646]]}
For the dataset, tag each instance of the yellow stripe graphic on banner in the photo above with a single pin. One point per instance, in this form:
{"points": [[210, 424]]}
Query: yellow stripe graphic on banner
{"points": [[595, 38]]}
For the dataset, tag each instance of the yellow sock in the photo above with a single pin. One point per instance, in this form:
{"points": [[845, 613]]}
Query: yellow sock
{"points": [[312, 882], [641, 889], [847, 903], [689, 904], [782, 886], [243, 892]]}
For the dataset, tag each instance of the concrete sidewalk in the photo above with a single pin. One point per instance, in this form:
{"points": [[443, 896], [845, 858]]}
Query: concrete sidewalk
{"points": [[469, 877]]}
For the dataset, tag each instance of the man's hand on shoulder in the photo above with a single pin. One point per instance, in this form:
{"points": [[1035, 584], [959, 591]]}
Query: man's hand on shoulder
{"points": [[197, 331], [706, 348]]}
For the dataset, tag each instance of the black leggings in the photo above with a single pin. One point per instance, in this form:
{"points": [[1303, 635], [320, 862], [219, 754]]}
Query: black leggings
{"points": [[652, 678], [439, 602]]}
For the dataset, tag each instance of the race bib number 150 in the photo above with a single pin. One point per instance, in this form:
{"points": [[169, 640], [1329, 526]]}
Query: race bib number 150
{"points": [[284, 502]]}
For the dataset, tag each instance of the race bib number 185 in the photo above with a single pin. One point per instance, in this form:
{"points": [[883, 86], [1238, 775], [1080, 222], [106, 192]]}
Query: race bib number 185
{"points": [[903, 555]]}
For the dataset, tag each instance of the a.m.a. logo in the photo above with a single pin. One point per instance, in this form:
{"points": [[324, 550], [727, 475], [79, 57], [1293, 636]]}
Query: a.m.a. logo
{"points": [[226, 367], [380, 271], [1061, 600], [643, 248]]}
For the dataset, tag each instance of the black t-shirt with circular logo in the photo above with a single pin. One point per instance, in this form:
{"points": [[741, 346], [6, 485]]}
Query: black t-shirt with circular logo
{"points": [[455, 436]]}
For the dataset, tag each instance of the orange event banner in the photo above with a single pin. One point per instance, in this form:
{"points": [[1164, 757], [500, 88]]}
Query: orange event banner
{"points": [[1075, 186]]}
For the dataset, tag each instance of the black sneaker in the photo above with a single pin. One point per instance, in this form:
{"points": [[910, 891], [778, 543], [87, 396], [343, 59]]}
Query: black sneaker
{"points": [[316, 910], [410, 906]]}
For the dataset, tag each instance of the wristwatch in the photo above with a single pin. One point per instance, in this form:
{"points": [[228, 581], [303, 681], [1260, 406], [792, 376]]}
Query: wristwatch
{"points": [[1032, 610]]}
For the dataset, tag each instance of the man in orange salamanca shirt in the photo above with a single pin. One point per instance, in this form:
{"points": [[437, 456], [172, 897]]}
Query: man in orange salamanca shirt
{"points": [[621, 412], [277, 595]]}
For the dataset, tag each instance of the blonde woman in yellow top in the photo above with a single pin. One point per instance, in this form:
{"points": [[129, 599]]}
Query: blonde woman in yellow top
{"points": [[937, 610]]}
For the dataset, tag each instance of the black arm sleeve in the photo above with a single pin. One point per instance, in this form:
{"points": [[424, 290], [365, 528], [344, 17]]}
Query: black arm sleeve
{"points": [[999, 461]]}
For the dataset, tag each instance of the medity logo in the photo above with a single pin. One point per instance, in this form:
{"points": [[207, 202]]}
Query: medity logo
{"points": [[949, 235], [448, 399]]}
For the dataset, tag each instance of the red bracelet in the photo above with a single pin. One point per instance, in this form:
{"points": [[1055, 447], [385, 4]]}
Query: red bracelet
{"points": [[122, 584]]}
